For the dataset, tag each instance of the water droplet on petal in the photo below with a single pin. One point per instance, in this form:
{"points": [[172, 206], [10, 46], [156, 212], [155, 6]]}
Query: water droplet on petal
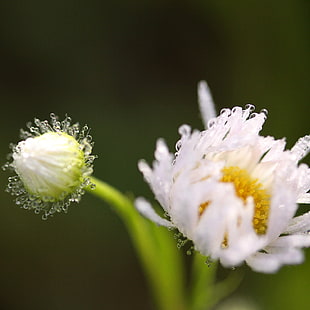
{"points": [[178, 145], [264, 111], [253, 115], [211, 122], [250, 107]]}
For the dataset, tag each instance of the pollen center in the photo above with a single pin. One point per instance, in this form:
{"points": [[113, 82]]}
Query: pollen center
{"points": [[202, 207], [246, 186]]}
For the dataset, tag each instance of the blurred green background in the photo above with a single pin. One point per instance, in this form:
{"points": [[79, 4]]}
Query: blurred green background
{"points": [[129, 69]]}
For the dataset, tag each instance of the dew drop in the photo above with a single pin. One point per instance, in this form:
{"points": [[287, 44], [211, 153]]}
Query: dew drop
{"points": [[178, 145], [34, 130], [28, 124], [250, 107], [176, 236], [184, 130], [65, 208], [25, 206], [225, 111], [211, 122], [37, 122], [264, 111]]}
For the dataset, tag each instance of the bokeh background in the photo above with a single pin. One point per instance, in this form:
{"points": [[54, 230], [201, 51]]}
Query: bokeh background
{"points": [[129, 69]]}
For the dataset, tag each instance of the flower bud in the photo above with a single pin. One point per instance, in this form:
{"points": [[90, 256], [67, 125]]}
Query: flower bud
{"points": [[53, 165]]}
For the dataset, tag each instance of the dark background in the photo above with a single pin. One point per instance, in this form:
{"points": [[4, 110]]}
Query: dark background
{"points": [[129, 69]]}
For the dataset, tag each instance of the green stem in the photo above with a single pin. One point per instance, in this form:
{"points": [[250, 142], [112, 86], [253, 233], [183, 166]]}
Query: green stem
{"points": [[205, 293], [202, 286], [159, 257]]}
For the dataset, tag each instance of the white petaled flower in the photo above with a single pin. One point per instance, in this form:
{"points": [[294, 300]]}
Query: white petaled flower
{"points": [[231, 191], [52, 163]]}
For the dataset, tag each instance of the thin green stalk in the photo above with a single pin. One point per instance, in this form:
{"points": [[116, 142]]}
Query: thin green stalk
{"points": [[205, 291], [202, 285], [158, 254]]}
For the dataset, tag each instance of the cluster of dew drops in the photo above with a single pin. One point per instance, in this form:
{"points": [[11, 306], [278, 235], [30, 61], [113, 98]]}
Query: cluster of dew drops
{"points": [[183, 242], [15, 186], [248, 111], [185, 130]]}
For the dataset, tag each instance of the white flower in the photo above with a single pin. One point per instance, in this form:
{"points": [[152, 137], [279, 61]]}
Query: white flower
{"points": [[53, 163], [231, 191]]}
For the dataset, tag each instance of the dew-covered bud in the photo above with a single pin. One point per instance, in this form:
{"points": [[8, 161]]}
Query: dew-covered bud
{"points": [[53, 164]]}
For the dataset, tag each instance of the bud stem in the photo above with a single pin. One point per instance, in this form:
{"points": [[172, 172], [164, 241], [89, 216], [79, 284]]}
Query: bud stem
{"points": [[162, 261], [159, 256]]}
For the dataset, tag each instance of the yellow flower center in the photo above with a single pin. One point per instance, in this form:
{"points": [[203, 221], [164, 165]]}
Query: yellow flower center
{"points": [[246, 186], [202, 207]]}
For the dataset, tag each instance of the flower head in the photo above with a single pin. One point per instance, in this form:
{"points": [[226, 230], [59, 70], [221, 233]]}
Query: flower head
{"points": [[231, 191], [52, 163]]}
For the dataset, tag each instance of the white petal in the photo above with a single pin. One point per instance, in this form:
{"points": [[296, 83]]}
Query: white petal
{"points": [[276, 148], [159, 178], [270, 263], [284, 250], [227, 218], [206, 104], [299, 224], [146, 170], [162, 153], [301, 148], [263, 262], [212, 226], [185, 198], [283, 202], [291, 241], [305, 198], [146, 209], [302, 177]]}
